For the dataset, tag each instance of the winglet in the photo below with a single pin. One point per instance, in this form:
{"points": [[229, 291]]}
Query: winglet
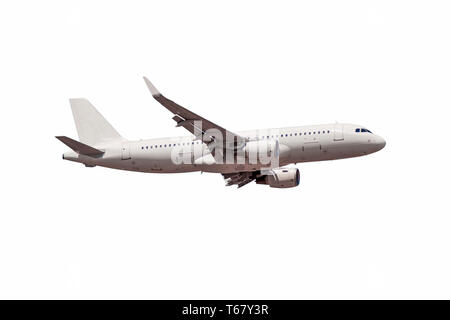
{"points": [[79, 147], [152, 88]]}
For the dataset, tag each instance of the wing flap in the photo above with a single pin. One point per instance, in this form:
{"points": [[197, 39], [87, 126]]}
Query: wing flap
{"points": [[239, 178]]}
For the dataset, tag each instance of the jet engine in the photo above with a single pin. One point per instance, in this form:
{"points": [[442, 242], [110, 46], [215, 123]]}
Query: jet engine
{"points": [[281, 178]]}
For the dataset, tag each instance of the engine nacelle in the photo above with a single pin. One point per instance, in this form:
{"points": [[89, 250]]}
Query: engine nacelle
{"points": [[281, 178], [262, 151]]}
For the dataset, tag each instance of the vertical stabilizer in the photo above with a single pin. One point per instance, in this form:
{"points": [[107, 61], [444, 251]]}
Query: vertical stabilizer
{"points": [[92, 127]]}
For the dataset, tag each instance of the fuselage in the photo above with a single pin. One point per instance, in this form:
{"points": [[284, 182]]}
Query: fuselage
{"points": [[187, 154]]}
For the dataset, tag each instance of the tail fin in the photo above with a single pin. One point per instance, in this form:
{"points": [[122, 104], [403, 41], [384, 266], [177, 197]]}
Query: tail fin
{"points": [[92, 127]]}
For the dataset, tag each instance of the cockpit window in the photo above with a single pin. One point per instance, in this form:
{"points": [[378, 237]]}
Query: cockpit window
{"points": [[363, 130]]}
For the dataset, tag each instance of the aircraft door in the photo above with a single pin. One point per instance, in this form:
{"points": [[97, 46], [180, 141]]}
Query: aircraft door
{"points": [[126, 151], [338, 132]]}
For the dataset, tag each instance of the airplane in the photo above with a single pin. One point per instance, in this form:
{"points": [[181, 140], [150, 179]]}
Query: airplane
{"points": [[241, 157]]}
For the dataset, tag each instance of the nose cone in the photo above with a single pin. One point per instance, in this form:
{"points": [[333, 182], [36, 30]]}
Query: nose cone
{"points": [[379, 143]]}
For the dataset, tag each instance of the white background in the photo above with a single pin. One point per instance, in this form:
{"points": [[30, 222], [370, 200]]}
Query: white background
{"points": [[370, 227]]}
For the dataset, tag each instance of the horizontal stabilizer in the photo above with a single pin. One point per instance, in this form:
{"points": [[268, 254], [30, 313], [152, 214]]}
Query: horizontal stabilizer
{"points": [[79, 147]]}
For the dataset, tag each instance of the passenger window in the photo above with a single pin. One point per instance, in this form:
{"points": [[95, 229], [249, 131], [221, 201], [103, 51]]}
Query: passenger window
{"points": [[358, 130]]}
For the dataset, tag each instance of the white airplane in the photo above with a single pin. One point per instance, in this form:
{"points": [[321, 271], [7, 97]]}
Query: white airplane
{"points": [[240, 157]]}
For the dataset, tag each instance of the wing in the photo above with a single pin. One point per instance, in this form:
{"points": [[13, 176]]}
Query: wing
{"points": [[240, 178], [201, 128]]}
